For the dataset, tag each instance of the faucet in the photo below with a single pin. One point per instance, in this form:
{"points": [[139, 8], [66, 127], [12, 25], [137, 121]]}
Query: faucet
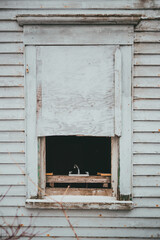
{"points": [[76, 166]]}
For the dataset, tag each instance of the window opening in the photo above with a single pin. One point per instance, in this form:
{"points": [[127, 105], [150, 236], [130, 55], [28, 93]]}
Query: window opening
{"points": [[85, 162]]}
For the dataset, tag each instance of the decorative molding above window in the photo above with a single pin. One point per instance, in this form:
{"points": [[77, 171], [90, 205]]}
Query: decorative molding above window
{"points": [[95, 19], [106, 39]]}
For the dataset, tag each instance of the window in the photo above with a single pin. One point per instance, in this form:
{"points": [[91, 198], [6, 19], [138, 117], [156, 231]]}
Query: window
{"points": [[78, 163], [78, 89]]}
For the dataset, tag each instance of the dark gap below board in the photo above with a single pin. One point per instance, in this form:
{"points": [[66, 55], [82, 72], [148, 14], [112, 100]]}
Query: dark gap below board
{"points": [[90, 154]]}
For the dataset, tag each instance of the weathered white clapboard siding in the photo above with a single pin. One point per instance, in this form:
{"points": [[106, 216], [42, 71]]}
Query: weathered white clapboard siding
{"points": [[137, 213], [146, 82], [86, 222], [11, 81], [70, 238], [146, 115], [11, 48], [147, 48], [12, 145], [145, 159], [148, 26], [143, 222], [12, 168], [146, 181], [146, 126], [13, 157], [147, 104], [12, 179], [70, 4], [12, 114], [146, 60], [146, 118], [12, 103], [97, 232]]}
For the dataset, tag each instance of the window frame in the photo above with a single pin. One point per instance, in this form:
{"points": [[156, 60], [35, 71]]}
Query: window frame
{"points": [[121, 155]]}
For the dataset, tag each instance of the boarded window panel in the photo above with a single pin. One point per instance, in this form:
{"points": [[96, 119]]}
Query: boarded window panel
{"points": [[75, 90]]}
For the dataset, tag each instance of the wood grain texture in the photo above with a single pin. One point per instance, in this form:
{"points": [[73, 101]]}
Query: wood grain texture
{"points": [[79, 191], [72, 179], [80, 99]]}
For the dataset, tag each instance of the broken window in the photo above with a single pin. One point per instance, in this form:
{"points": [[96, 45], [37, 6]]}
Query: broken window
{"points": [[81, 164]]}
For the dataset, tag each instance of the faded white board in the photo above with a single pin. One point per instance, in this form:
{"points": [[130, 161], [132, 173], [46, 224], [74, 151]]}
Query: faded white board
{"points": [[146, 137], [148, 37], [72, 4], [146, 82], [64, 35], [77, 95], [144, 170], [11, 48], [147, 48], [11, 81], [148, 25]]}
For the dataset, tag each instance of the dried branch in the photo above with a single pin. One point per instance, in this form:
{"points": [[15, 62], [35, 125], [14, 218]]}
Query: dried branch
{"points": [[14, 233]]}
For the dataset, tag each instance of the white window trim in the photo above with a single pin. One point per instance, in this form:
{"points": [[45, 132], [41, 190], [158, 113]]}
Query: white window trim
{"points": [[124, 178]]}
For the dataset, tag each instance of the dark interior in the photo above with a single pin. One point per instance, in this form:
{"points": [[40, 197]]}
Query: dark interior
{"points": [[91, 154]]}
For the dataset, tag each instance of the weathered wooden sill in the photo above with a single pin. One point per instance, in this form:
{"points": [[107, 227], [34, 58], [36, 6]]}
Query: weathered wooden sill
{"points": [[79, 202]]}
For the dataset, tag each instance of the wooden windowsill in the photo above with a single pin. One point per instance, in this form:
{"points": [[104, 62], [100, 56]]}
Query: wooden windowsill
{"points": [[79, 191], [77, 179], [79, 202]]}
